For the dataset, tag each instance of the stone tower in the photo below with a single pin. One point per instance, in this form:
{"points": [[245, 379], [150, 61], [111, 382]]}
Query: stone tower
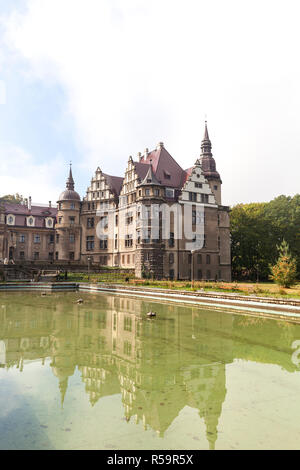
{"points": [[149, 252], [209, 167], [68, 228]]}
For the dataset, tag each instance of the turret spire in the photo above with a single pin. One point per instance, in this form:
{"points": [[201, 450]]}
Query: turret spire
{"points": [[206, 136], [70, 182], [206, 143]]}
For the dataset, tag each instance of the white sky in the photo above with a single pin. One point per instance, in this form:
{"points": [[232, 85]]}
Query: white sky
{"points": [[137, 72]]}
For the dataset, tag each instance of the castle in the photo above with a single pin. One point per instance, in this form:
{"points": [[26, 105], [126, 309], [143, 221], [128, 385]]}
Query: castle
{"points": [[159, 220]]}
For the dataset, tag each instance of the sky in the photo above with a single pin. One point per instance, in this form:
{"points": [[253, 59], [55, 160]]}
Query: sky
{"points": [[95, 81]]}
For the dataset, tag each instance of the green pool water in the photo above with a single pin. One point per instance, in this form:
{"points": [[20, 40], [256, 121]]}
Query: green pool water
{"points": [[102, 376]]}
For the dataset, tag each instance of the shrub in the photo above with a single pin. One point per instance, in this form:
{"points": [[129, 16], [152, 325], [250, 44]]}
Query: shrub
{"points": [[284, 272]]}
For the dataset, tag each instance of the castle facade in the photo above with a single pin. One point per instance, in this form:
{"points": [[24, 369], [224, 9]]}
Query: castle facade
{"points": [[159, 220]]}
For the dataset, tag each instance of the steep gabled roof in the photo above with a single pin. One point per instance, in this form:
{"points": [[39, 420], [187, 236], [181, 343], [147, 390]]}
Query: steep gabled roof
{"points": [[141, 169], [114, 182], [150, 179], [166, 169]]}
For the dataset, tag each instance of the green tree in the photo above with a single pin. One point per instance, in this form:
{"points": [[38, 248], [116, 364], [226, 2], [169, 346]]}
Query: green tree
{"points": [[284, 272], [13, 198], [256, 231]]}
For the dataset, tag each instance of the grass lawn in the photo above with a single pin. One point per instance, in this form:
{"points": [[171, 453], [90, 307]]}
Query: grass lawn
{"points": [[266, 289]]}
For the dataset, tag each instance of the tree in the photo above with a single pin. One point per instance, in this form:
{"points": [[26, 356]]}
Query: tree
{"points": [[256, 231], [12, 198], [284, 272]]}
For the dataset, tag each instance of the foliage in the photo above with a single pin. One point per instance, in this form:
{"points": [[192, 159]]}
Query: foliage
{"points": [[256, 231], [12, 198], [285, 270]]}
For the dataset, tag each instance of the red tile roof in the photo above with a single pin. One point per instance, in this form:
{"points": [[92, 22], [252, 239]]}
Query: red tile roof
{"points": [[20, 209], [21, 212], [114, 182], [166, 169]]}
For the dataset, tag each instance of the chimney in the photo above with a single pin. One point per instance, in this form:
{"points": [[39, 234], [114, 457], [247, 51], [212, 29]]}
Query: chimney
{"points": [[146, 153], [29, 203], [160, 145], [139, 156], [50, 204]]}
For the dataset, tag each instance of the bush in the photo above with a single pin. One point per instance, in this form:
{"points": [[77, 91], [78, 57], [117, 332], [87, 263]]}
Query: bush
{"points": [[284, 272]]}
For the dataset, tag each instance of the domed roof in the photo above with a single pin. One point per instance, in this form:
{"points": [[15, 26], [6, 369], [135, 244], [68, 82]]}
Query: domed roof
{"points": [[69, 195]]}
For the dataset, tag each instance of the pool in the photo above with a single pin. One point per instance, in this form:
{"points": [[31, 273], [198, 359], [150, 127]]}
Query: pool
{"points": [[101, 375]]}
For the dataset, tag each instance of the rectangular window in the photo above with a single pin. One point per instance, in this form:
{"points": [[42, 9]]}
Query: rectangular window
{"points": [[71, 256], [116, 242], [207, 259], [170, 193], [171, 240], [129, 218], [127, 324], [57, 238], [194, 217], [22, 255], [72, 238], [198, 185], [56, 255], [90, 243], [171, 258], [204, 198], [128, 241], [36, 255], [193, 197], [50, 256], [127, 348], [72, 220], [51, 238], [90, 222], [199, 259], [72, 205], [103, 244], [37, 239]]}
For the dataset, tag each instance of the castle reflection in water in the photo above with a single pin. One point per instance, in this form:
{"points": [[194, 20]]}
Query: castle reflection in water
{"points": [[159, 366]]}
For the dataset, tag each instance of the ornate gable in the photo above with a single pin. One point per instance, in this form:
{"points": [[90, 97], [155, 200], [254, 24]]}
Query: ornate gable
{"points": [[196, 187]]}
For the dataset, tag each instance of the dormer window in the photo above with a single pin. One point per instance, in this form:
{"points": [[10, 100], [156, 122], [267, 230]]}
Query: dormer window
{"points": [[49, 222], [30, 221], [167, 175], [11, 219], [170, 193]]}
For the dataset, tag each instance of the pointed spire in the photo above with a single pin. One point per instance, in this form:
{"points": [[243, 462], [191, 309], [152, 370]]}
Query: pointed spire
{"points": [[70, 182], [150, 178], [206, 136], [206, 143], [63, 385]]}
